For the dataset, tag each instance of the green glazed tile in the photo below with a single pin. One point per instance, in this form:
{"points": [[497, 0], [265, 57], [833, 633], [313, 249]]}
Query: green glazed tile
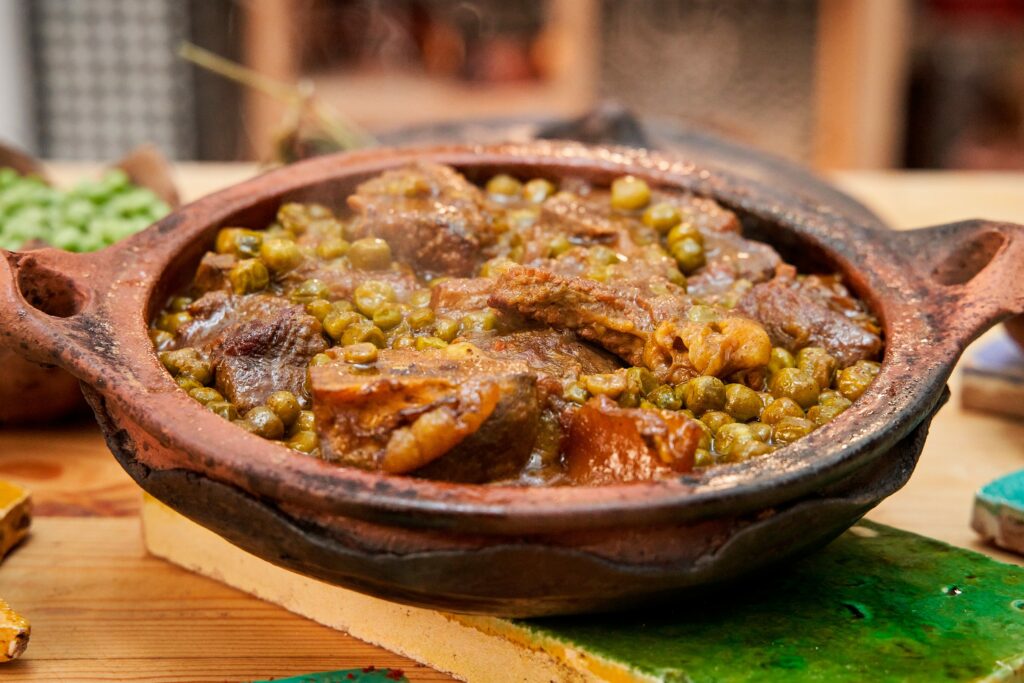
{"points": [[878, 604]]}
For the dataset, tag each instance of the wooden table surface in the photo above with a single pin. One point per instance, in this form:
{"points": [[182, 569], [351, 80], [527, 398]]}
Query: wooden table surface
{"points": [[102, 609]]}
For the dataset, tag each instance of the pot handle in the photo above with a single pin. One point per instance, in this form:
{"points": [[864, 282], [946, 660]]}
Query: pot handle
{"points": [[49, 303], [972, 274]]}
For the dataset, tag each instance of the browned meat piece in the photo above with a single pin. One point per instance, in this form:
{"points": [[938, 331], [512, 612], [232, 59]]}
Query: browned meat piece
{"points": [[829, 290], [215, 311], [706, 214], [560, 355], [267, 351], [608, 444], [731, 259], [795, 320], [644, 328], [432, 217], [453, 415], [212, 273], [458, 296]]}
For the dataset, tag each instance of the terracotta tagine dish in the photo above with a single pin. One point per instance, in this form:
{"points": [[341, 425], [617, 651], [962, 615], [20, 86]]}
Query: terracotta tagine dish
{"points": [[514, 550]]}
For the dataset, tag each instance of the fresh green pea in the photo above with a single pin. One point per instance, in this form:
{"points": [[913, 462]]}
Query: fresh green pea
{"points": [[248, 276], [795, 384], [370, 253], [280, 255], [629, 193], [742, 402], [662, 217], [285, 406]]}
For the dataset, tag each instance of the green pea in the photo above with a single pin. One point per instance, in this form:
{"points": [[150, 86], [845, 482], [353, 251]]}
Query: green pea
{"points": [[629, 193], [702, 458], [824, 413], [239, 241], [537, 190], [285, 405], [305, 422], [372, 295], [504, 185], [704, 393], [387, 316], [247, 276], [479, 321], [689, 254], [795, 384], [403, 341], [319, 308], [420, 318], [818, 363], [662, 217], [264, 422], [420, 298], [446, 329], [280, 255], [576, 393], [187, 383], [701, 313], [307, 291], [370, 253], [746, 450], [336, 322], [189, 362], [665, 398], [363, 331], [742, 402], [320, 359], [602, 256], [558, 246], [332, 248], [780, 408], [606, 384], [728, 436], [295, 217], [425, 343], [304, 441], [172, 322], [205, 395], [683, 231], [853, 381], [640, 380], [716, 419], [789, 429], [179, 303], [362, 353], [761, 431], [224, 409], [779, 359]]}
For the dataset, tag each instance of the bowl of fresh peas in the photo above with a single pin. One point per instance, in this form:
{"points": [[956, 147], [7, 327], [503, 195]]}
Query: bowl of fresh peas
{"points": [[92, 214]]}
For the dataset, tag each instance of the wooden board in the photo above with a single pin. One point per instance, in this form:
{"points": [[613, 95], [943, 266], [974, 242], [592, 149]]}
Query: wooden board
{"points": [[878, 602]]}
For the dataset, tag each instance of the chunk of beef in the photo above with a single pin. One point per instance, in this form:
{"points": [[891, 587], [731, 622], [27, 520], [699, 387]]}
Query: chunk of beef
{"points": [[643, 327], [706, 214], [212, 272], [266, 350], [794, 319], [218, 310], [458, 296], [607, 444], [432, 217], [730, 260], [454, 415], [553, 353]]}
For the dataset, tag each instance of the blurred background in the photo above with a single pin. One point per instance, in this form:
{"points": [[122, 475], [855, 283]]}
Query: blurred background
{"points": [[831, 83]]}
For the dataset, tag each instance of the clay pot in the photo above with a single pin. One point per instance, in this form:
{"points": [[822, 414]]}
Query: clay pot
{"points": [[30, 392], [503, 549]]}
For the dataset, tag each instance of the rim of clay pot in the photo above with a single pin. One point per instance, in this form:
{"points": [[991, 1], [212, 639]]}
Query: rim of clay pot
{"points": [[932, 301]]}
